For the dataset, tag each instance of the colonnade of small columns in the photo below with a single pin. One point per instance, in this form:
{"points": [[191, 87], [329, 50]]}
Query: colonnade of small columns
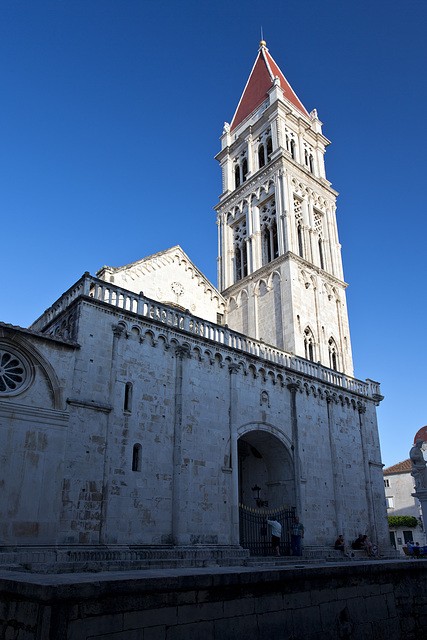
{"points": [[321, 249]]}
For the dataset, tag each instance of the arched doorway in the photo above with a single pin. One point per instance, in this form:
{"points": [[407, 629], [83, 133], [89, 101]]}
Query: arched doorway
{"points": [[266, 490], [265, 462]]}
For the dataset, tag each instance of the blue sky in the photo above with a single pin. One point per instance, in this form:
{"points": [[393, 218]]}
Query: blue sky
{"points": [[111, 114]]}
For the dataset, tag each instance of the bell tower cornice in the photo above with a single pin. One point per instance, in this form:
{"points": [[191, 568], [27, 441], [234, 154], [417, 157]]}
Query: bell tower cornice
{"points": [[281, 163]]}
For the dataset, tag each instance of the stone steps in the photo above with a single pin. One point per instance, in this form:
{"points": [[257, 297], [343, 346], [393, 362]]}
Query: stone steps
{"points": [[73, 559]]}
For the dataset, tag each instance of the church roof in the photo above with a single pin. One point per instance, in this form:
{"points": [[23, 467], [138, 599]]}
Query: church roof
{"points": [[260, 81], [400, 467]]}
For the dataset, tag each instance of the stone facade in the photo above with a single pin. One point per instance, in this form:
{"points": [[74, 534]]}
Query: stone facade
{"points": [[399, 489], [144, 405]]}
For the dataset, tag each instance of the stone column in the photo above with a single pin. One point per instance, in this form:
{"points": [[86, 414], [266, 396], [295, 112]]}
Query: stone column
{"points": [[368, 484], [279, 216], [335, 479], [103, 528], [293, 388], [178, 517], [234, 456]]}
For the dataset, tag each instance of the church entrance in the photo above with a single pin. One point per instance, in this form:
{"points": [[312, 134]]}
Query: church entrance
{"points": [[266, 490]]}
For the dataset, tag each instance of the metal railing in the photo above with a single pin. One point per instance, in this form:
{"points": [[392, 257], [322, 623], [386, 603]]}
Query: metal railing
{"points": [[255, 534]]}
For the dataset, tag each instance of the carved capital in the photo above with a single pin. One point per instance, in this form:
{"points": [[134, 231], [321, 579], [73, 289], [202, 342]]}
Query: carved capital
{"points": [[233, 367], [293, 387], [361, 407], [182, 351], [118, 330]]}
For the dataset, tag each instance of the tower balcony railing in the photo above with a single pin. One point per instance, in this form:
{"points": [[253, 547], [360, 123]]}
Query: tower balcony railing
{"points": [[144, 307]]}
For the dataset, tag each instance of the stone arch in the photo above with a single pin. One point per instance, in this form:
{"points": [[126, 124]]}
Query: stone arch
{"points": [[37, 361], [265, 461]]}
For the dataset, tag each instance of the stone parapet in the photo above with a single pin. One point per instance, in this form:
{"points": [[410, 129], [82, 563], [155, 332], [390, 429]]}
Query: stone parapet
{"points": [[145, 308], [367, 600]]}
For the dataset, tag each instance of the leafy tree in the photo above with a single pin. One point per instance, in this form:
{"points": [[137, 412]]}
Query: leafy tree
{"points": [[402, 521]]}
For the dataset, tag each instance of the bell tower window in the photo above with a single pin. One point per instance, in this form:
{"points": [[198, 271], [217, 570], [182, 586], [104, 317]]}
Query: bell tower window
{"points": [[261, 157], [244, 169], [292, 145], [298, 223], [308, 344], [269, 149], [237, 176], [311, 163], [333, 358]]}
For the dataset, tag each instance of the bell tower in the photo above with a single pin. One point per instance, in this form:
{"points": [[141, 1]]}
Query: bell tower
{"points": [[279, 263]]}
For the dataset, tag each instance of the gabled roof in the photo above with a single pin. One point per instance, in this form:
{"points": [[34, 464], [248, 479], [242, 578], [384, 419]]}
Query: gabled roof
{"points": [[400, 467], [260, 81]]}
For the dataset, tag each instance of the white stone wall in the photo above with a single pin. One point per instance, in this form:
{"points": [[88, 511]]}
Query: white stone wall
{"points": [[187, 490], [169, 277]]}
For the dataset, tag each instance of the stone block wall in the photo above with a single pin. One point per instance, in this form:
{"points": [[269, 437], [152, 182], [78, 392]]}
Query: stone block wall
{"points": [[378, 601]]}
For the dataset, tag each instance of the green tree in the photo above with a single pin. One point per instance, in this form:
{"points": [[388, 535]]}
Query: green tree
{"points": [[402, 521]]}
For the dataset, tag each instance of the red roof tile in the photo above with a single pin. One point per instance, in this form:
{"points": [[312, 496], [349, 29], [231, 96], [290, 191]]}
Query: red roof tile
{"points": [[260, 81], [400, 467]]}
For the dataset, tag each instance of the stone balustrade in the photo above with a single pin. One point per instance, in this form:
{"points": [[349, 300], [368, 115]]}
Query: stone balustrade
{"points": [[147, 308]]}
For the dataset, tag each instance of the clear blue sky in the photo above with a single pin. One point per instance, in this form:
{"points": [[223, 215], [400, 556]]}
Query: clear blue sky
{"points": [[111, 113]]}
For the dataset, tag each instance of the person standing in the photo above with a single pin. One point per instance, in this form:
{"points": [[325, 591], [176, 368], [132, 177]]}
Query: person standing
{"points": [[297, 534], [276, 532]]}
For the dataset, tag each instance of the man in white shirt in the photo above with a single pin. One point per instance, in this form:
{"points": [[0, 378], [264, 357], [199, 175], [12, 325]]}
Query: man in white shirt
{"points": [[276, 532]]}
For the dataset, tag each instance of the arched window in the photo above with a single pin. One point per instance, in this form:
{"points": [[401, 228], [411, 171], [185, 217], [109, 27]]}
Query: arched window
{"points": [[275, 242], [244, 169], [238, 262], [269, 149], [333, 354], [306, 157], [287, 142], [311, 163], [322, 264], [127, 405], [293, 149], [244, 260], [308, 344], [136, 457], [237, 176], [261, 157], [266, 246]]}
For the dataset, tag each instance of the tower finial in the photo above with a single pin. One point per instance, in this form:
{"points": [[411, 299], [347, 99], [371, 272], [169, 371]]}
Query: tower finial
{"points": [[263, 42]]}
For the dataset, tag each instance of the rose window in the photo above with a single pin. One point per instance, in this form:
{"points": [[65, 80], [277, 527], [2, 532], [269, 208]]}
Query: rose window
{"points": [[13, 371]]}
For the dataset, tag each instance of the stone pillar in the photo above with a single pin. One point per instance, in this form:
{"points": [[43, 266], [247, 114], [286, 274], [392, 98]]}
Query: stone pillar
{"points": [[279, 215], [368, 484], [234, 456], [178, 516], [335, 479], [103, 528], [293, 388]]}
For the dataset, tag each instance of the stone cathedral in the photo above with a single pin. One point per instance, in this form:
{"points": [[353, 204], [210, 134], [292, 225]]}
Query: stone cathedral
{"points": [[145, 405]]}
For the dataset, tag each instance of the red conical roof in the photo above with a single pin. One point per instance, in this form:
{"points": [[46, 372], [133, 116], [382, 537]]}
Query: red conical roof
{"points": [[260, 81]]}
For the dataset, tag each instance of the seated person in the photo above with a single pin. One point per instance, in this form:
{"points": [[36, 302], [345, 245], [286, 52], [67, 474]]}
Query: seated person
{"points": [[340, 545], [359, 542]]}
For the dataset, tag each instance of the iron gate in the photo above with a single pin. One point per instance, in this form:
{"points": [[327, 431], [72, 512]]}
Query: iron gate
{"points": [[255, 534]]}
